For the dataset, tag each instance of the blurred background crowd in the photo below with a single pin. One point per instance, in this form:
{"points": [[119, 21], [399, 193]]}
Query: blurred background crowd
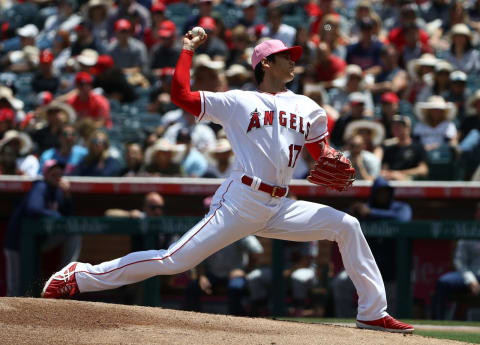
{"points": [[87, 83]]}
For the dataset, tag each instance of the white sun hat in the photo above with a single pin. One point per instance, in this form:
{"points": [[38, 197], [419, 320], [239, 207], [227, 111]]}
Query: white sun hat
{"points": [[26, 144], [377, 129], [435, 102]]}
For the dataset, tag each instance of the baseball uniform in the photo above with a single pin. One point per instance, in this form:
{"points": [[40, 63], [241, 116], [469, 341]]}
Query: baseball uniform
{"points": [[267, 133]]}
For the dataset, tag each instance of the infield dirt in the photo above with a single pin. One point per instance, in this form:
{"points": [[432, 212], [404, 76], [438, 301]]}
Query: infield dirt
{"points": [[38, 321]]}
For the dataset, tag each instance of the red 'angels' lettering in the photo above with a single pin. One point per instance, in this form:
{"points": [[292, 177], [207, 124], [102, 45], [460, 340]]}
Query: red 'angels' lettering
{"points": [[254, 120], [292, 121]]}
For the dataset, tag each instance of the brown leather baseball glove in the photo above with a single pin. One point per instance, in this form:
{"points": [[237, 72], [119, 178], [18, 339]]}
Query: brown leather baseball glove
{"points": [[332, 170]]}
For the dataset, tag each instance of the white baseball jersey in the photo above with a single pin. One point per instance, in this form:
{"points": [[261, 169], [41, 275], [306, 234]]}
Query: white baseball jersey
{"points": [[266, 131]]}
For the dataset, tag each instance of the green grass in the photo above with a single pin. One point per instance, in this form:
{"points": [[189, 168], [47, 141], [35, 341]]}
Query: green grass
{"points": [[465, 336], [473, 338]]}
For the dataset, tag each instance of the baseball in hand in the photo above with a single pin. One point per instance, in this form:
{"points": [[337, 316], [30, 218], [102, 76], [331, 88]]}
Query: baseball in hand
{"points": [[198, 31]]}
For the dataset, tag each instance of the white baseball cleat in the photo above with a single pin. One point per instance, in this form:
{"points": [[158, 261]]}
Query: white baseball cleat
{"points": [[386, 324], [62, 284]]}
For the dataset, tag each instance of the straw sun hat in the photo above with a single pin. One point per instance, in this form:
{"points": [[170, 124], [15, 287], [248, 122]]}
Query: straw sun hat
{"points": [[355, 126], [435, 102], [162, 145], [26, 144]]}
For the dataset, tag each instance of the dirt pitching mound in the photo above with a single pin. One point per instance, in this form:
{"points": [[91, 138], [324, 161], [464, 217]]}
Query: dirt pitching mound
{"points": [[52, 322]]}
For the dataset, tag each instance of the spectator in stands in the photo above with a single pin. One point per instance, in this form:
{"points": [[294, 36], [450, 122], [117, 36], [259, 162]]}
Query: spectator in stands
{"points": [[204, 10], [420, 72], [408, 18], [457, 14], [471, 122], [403, 158], [65, 19], [390, 77], [166, 51], [367, 165], [372, 132], [98, 161], [159, 159], [389, 104], [132, 11], [86, 39], [381, 206], [331, 34], [193, 163], [462, 281], [128, 53], [366, 53], [9, 101], [226, 268], [462, 54], [327, 66], [87, 59], [45, 79], [67, 151], [7, 120], [389, 11], [96, 14], [52, 119], [435, 126], [153, 206], [213, 46], [61, 50], [276, 29], [354, 83], [159, 97], [220, 160], [474, 14], [434, 11], [239, 77], [20, 146], [469, 138], [441, 82], [88, 103], [25, 59], [249, 18], [49, 197], [363, 11], [458, 93], [152, 34], [133, 160], [27, 35], [112, 81], [413, 47], [356, 112], [241, 41]]}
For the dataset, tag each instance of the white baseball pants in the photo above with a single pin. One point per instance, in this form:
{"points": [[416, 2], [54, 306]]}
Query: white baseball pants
{"points": [[238, 211]]}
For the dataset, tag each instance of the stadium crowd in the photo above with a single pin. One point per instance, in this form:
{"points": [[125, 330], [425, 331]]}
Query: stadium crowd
{"points": [[88, 83]]}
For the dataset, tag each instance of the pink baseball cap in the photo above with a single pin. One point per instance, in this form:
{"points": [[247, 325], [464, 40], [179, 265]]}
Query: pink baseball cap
{"points": [[270, 47]]}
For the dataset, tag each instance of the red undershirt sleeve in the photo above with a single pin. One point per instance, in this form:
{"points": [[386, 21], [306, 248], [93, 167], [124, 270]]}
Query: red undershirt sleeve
{"points": [[316, 149], [180, 93]]}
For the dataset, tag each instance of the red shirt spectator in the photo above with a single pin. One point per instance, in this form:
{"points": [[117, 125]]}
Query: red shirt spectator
{"points": [[330, 70], [327, 65], [397, 38], [89, 104]]}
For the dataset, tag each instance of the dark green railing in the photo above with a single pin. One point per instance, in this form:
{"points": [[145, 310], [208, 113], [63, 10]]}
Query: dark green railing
{"points": [[145, 232]]}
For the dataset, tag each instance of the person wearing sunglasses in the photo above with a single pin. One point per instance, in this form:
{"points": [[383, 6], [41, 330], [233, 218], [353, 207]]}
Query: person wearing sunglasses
{"points": [[98, 161]]}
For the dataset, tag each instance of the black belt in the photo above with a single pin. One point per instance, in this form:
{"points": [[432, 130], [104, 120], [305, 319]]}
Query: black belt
{"points": [[274, 191]]}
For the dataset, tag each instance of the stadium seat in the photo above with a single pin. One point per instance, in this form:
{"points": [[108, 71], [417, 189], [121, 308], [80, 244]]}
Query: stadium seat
{"points": [[442, 164]]}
